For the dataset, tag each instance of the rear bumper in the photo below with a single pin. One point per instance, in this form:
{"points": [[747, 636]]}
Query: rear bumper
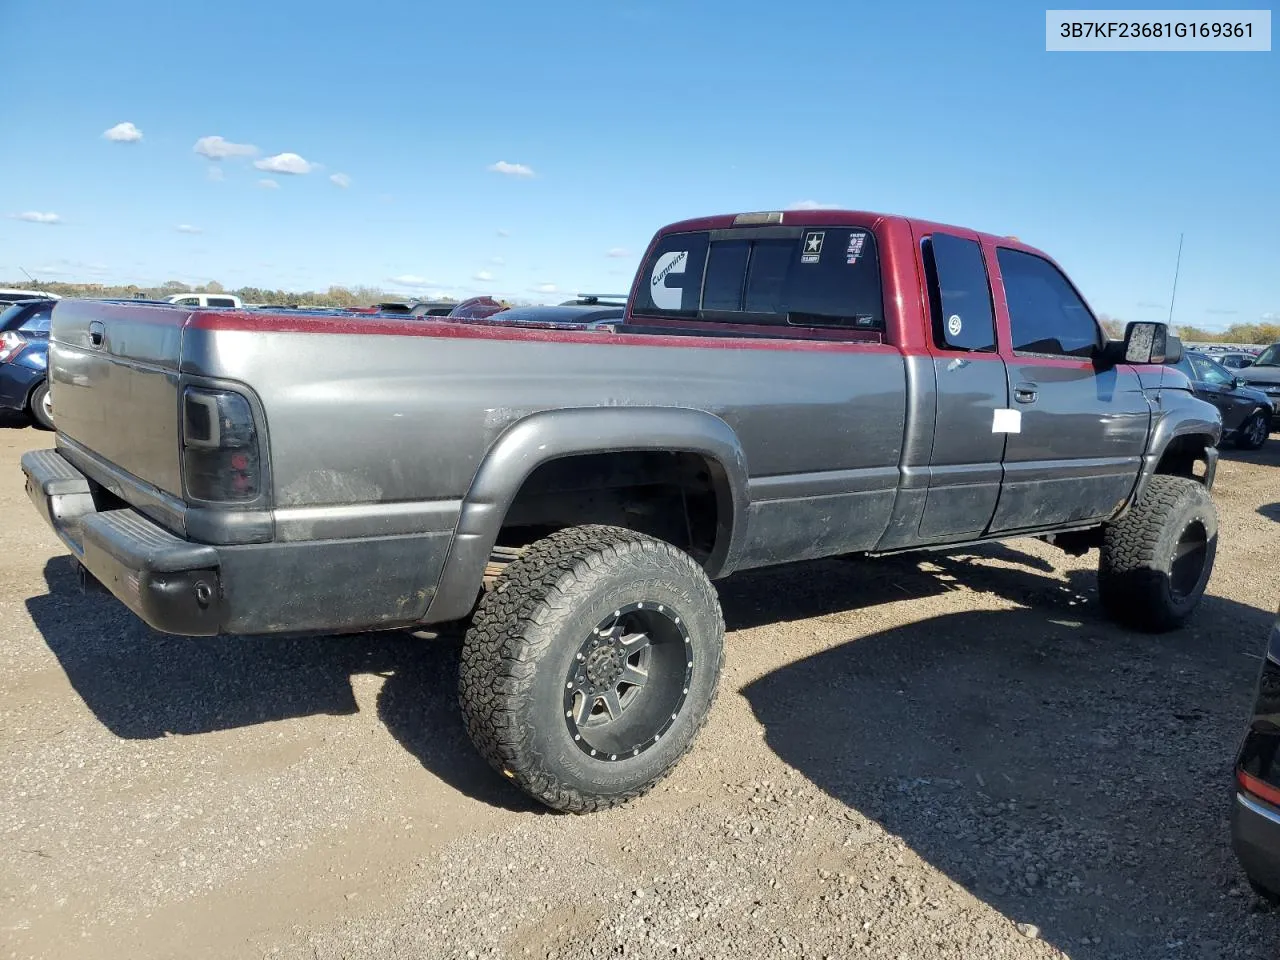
{"points": [[195, 589], [1255, 837]]}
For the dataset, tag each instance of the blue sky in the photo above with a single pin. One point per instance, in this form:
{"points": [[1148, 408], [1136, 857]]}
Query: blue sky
{"points": [[629, 115]]}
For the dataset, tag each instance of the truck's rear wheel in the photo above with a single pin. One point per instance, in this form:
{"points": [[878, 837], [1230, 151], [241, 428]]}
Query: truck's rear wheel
{"points": [[1157, 558], [591, 666]]}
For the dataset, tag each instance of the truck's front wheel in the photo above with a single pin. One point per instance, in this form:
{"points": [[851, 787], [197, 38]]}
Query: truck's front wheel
{"points": [[591, 666], [1157, 558]]}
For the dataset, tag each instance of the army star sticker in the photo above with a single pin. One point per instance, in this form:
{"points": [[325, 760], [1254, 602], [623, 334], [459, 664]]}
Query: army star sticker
{"points": [[813, 243]]}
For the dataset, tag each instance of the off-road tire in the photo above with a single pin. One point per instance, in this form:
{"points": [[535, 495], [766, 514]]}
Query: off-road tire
{"points": [[526, 634], [1251, 437], [1135, 571], [36, 406]]}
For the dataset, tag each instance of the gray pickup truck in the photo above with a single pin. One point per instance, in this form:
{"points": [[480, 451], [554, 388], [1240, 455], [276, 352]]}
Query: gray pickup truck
{"points": [[783, 386]]}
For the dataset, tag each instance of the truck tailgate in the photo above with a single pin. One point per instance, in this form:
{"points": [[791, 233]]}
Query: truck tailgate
{"points": [[113, 371]]}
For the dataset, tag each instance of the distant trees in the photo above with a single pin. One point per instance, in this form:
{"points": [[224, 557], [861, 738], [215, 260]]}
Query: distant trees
{"points": [[333, 297], [1236, 333]]}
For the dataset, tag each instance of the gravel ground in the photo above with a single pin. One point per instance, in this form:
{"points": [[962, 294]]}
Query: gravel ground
{"points": [[928, 757]]}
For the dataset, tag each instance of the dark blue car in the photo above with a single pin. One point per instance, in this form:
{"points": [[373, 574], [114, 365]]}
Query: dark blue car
{"points": [[24, 353]]}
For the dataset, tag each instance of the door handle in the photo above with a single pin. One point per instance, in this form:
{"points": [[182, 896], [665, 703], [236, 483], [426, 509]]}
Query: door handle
{"points": [[1025, 392], [97, 333]]}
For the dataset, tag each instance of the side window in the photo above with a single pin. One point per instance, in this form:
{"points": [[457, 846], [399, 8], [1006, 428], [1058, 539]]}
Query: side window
{"points": [[959, 294], [221, 302], [671, 281], [188, 302], [1184, 365], [1210, 372], [1045, 314]]}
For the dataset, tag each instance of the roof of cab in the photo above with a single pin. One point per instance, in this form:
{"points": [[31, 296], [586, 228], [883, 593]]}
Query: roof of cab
{"points": [[830, 217]]}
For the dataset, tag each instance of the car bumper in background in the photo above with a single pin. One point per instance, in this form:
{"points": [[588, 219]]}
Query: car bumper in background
{"points": [[1255, 837], [195, 589]]}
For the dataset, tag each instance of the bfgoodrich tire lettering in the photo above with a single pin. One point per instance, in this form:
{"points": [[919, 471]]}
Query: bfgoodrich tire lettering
{"points": [[1157, 559], [520, 655]]}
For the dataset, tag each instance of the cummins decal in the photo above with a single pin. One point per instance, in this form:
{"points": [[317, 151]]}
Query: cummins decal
{"points": [[663, 296]]}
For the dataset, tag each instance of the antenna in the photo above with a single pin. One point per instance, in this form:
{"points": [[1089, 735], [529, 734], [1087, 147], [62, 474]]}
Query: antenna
{"points": [[1176, 268], [33, 280]]}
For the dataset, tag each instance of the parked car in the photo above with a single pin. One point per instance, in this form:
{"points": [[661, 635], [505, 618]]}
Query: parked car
{"points": [[477, 308], [1246, 413], [1255, 815], [10, 295], [597, 299], [572, 315], [418, 308], [783, 386], [1235, 359], [1264, 374], [206, 300], [24, 350]]}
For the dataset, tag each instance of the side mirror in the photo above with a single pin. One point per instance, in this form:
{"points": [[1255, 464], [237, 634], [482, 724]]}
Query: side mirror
{"points": [[1146, 342], [1240, 382]]}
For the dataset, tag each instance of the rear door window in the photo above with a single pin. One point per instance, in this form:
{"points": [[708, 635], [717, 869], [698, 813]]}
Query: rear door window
{"points": [[959, 294]]}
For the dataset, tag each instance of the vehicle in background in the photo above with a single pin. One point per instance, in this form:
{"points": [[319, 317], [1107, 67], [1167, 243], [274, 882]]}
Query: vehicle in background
{"points": [[571, 315], [597, 299], [1235, 360], [477, 308], [1255, 815], [206, 300], [1264, 373], [24, 354], [417, 308], [12, 295], [1246, 412]]}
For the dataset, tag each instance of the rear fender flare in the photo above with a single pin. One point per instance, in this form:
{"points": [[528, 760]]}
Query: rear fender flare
{"points": [[552, 434]]}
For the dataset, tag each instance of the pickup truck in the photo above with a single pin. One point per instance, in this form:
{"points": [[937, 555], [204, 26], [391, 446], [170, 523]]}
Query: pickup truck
{"points": [[782, 386]]}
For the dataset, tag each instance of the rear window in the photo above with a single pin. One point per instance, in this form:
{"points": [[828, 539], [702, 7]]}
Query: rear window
{"points": [[823, 277], [38, 322], [221, 302]]}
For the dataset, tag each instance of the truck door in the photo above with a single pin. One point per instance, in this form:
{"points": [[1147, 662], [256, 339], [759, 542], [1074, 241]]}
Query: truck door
{"points": [[1076, 432], [965, 465]]}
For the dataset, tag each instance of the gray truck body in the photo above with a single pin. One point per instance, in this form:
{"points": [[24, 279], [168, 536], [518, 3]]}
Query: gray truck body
{"points": [[396, 455]]}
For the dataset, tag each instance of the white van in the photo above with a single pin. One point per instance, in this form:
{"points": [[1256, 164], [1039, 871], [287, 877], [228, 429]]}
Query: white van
{"points": [[206, 300]]}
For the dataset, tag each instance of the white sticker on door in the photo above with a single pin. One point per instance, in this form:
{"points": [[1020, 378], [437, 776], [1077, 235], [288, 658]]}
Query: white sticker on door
{"points": [[1006, 421], [664, 297]]}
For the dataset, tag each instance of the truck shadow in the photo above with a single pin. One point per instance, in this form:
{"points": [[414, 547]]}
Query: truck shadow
{"points": [[1071, 774], [141, 684]]}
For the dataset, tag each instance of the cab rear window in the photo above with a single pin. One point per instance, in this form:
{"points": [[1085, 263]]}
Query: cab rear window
{"points": [[794, 276]]}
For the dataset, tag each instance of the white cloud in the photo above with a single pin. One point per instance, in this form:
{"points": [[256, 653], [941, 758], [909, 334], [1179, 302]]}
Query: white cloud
{"points": [[812, 205], [484, 276], [511, 169], [34, 216], [545, 288], [215, 172], [498, 261], [123, 133], [289, 163], [188, 228], [618, 252], [217, 148], [503, 233], [409, 280], [340, 180], [268, 184]]}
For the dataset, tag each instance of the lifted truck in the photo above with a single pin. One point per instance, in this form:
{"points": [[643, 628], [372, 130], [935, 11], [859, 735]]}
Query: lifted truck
{"points": [[783, 386]]}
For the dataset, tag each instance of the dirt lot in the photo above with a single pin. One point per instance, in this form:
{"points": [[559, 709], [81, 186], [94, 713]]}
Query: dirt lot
{"points": [[909, 758]]}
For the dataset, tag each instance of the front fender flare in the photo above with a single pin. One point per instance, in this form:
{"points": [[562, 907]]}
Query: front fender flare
{"points": [[541, 437], [1179, 414]]}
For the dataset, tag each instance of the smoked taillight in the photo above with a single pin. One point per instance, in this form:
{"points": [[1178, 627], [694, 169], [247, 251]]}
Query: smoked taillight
{"points": [[220, 458]]}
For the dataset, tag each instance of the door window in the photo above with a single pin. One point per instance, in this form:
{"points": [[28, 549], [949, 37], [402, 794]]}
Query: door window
{"points": [[1046, 315], [1210, 372], [959, 294]]}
